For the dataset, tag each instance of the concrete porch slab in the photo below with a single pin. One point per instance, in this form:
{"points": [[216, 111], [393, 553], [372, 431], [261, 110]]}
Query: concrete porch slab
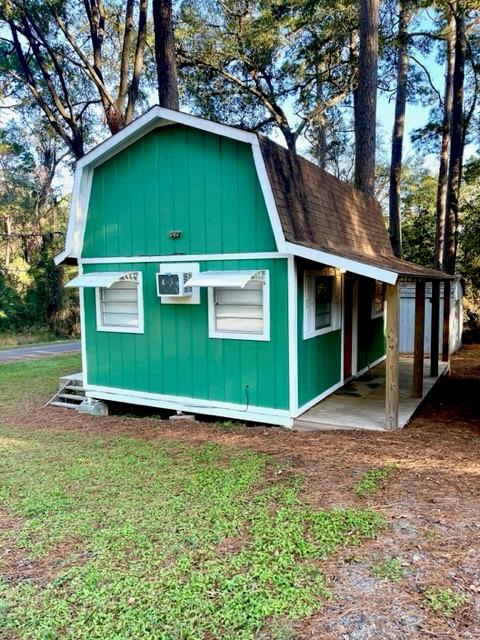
{"points": [[360, 404]]}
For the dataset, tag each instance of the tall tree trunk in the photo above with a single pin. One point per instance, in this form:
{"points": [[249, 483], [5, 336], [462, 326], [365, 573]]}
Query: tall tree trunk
{"points": [[320, 130], [445, 148], [398, 128], [456, 145], [165, 54], [366, 97], [8, 241]]}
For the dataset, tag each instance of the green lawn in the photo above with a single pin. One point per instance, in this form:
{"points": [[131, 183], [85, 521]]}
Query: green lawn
{"points": [[162, 540]]}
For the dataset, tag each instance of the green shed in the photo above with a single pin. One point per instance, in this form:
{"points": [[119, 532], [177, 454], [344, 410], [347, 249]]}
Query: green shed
{"points": [[221, 274]]}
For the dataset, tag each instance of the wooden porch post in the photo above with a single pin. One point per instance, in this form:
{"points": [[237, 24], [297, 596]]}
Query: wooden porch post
{"points": [[446, 321], [418, 353], [434, 336], [392, 356]]}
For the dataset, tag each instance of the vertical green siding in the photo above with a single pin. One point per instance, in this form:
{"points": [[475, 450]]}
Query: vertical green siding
{"points": [[371, 332], [319, 359], [176, 357], [177, 178]]}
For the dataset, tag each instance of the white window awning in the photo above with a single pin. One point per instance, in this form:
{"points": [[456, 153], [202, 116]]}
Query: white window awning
{"points": [[104, 280], [235, 279]]}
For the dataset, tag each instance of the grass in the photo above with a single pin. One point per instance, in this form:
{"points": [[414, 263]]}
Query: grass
{"points": [[160, 540], [390, 569], [22, 380], [180, 540], [372, 480], [444, 601], [30, 338]]}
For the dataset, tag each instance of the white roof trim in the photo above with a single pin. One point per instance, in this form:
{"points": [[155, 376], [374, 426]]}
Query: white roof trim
{"points": [[235, 279], [360, 268], [152, 119], [105, 279]]}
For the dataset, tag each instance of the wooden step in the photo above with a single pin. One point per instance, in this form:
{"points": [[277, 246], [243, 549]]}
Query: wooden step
{"points": [[71, 396], [71, 393], [65, 405]]}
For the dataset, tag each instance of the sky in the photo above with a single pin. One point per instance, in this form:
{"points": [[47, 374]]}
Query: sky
{"points": [[416, 116]]}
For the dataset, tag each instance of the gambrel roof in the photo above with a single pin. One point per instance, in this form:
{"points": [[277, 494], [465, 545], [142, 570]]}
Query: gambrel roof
{"points": [[321, 212], [313, 214]]}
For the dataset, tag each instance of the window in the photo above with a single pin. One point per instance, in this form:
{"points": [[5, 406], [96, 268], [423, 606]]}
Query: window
{"points": [[240, 313], [321, 303], [378, 299], [120, 306]]}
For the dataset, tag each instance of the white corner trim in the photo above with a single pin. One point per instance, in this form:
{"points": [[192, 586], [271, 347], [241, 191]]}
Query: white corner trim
{"points": [[355, 329], [292, 334], [232, 335], [268, 196], [311, 403], [342, 324], [196, 257], [181, 403], [360, 268], [83, 338], [115, 329]]}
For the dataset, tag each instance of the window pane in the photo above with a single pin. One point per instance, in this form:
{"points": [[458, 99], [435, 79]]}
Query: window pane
{"points": [[239, 310], [323, 301], [119, 305]]}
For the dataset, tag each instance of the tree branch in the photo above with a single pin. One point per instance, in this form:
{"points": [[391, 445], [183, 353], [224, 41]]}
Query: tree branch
{"points": [[138, 60], [429, 78], [124, 59]]}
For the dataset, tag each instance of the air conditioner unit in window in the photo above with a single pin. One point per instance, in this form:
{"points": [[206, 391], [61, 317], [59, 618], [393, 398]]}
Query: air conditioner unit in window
{"points": [[173, 285]]}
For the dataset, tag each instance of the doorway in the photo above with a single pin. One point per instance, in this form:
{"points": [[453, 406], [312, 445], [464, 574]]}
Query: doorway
{"points": [[350, 295]]}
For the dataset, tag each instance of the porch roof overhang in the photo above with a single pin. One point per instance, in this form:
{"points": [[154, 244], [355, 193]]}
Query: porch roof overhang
{"points": [[386, 269], [235, 279], [104, 280]]}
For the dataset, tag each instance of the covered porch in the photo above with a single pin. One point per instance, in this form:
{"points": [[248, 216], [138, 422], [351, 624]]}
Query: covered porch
{"points": [[387, 397], [360, 404]]}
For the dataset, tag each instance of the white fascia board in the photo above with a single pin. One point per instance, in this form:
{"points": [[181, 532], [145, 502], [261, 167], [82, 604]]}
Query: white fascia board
{"points": [[72, 219], [185, 257], [268, 197], [82, 184], [153, 118], [292, 334], [354, 266]]}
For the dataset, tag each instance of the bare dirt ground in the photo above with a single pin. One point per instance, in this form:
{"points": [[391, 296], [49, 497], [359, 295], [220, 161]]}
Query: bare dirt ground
{"points": [[431, 502]]}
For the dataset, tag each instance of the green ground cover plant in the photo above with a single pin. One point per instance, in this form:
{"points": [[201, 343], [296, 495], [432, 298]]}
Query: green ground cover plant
{"points": [[372, 480], [444, 601], [390, 568], [161, 540]]}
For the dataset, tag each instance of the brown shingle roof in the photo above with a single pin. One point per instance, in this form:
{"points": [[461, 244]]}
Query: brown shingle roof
{"points": [[320, 212]]}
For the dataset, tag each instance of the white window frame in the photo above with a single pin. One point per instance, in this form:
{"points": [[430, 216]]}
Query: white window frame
{"points": [[233, 335], [309, 330], [115, 329], [373, 313]]}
